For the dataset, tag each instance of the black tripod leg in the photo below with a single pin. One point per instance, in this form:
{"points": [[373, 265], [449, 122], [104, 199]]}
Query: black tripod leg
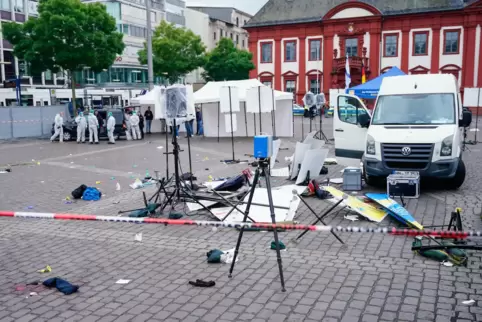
{"points": [[237, 204], [275, 231], [320, 219], [232, 205], [241, 231]]}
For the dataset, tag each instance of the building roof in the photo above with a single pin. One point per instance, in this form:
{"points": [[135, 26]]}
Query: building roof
{"points": [[220, 13], [276, 12]]}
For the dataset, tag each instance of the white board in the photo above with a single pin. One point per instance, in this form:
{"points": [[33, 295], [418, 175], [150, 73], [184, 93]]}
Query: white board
{"points": [[281, 172], [227, 122], [313, 162], [472, 97], [267, 100], [300, 151], [276, 146], [227, 103]]}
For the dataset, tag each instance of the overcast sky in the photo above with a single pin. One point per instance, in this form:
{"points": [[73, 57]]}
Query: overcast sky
{"points": [[249, 6]]}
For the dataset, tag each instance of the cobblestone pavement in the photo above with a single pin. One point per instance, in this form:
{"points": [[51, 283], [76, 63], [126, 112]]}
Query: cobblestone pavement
{"points": [[372, 277]]}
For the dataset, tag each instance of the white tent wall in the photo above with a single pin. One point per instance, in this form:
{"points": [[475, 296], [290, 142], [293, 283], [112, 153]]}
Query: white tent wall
{"points": [[283, 121]]}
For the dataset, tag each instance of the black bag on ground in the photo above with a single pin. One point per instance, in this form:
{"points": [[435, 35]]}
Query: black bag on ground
{"points": [[79, 192]]}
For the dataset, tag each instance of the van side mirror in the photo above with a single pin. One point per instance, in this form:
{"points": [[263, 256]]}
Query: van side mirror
{"points": [[466, 118], [363, 120]]}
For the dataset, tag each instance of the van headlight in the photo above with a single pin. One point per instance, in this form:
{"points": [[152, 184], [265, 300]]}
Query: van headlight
{"points": [[446, 149], [371, 145]]}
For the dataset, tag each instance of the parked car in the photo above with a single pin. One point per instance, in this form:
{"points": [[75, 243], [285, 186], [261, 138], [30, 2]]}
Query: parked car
{"points": [[70, 127]]}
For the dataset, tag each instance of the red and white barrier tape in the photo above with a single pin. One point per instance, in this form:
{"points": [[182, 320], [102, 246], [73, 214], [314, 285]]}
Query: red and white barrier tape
{"points": [[391, 231]]}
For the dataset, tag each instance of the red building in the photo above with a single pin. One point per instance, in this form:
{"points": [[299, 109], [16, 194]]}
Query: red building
{"points": [[302, 45]]}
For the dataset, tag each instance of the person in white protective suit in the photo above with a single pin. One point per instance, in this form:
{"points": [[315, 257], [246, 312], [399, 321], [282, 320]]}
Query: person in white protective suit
{"points": [[58, 127], [110, 128], [136, 131], [81, 127], [127, 120], [93, 127]]}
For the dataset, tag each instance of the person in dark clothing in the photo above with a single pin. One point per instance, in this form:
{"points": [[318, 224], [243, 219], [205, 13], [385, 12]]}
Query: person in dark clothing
{"points": [[141, 124], [100, 120], [199, 122], [149, 117]]}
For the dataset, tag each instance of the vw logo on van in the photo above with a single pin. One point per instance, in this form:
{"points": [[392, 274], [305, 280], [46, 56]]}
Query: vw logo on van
{"points": [[406, 150]]}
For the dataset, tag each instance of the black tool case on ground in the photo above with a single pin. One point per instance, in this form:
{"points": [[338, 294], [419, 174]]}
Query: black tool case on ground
{"points": [[403, 184]]}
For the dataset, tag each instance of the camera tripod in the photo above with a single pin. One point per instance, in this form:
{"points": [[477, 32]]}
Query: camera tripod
{"points": [[263, 165]]}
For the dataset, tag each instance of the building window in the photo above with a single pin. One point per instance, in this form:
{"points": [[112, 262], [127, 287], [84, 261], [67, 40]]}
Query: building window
{"points": [[125, 29], [267, 83], [420, 43], [117, 75], [18, 5], [351, 47], [451, 41], [243, 43], [22, 68], [5, 5], [237, 39], [391, 45], [231, 35], [290, 86], [237, 22], [214, 35], [315, 49], [220, 33], [245, 22], [290, 51], [10, 65], [315, 87], [267, 52]]}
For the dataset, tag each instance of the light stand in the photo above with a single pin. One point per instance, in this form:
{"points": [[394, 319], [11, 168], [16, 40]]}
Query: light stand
{"points": [[233, 160], [273, 117], [263, 165], [320, 135]]}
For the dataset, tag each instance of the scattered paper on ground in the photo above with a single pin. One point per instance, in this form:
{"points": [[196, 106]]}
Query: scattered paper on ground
{"points": [[448, 264], [283, 172], [469, 302], [474, 130], [351, 217], [336, 180], [138, 237], [121, 281], [160, 147], [331, 161]]}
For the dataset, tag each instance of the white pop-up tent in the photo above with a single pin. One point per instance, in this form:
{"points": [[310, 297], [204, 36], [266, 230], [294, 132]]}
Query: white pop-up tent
{"points": [[247, 123]]}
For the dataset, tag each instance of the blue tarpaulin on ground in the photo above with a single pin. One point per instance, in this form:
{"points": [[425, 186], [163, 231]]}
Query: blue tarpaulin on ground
{"points": [[370, 89]]}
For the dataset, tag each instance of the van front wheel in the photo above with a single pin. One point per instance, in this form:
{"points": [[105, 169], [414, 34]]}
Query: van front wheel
{"points": [[459, 177]]}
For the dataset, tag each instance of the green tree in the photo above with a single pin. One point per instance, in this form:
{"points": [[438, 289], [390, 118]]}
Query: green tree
{"points": [[175, 51], [226, 62], [67, 35]]}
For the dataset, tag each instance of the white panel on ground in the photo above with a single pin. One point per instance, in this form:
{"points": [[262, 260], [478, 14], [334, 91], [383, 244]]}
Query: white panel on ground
{"points": [[282, 172], [276, 146], [312, 163], [227, 102], [300, 151], [227, 122], [195, 206]]}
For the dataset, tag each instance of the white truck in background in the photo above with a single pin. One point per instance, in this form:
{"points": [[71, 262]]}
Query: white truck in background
{"points": [[417, 124]]}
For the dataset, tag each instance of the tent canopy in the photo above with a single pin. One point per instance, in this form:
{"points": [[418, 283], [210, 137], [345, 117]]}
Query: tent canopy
{"points": [[370, 89], [150, 98], [209, 93]]}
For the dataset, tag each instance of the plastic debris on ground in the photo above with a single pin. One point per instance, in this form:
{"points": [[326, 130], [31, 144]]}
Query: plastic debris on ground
{"points": [[29, 207], [47, 269], [138, 237], [221, 256], [160, 147], [351, 217], [330, 161], [117, 186], [448, 264], [6, 170], [112, 178], [282, 246], [474, 130], [336, 180], [121, 281], [282, 172], [469, 302]]}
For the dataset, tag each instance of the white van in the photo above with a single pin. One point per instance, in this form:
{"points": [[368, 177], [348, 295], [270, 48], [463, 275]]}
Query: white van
{"points": [[417, 125]]}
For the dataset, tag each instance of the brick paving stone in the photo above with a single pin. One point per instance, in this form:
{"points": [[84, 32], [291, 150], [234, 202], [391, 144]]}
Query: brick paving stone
{"points": [[373, 278]]}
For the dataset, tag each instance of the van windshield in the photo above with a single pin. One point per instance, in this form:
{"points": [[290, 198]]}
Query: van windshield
{"points": [[415, 109]]}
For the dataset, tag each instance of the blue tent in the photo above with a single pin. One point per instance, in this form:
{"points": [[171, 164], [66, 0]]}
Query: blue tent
{"points": [[369, 90]]}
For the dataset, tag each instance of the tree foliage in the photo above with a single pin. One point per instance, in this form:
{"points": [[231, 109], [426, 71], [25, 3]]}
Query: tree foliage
{"points": [[226, 62], [175, 51], [67, 35]]}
